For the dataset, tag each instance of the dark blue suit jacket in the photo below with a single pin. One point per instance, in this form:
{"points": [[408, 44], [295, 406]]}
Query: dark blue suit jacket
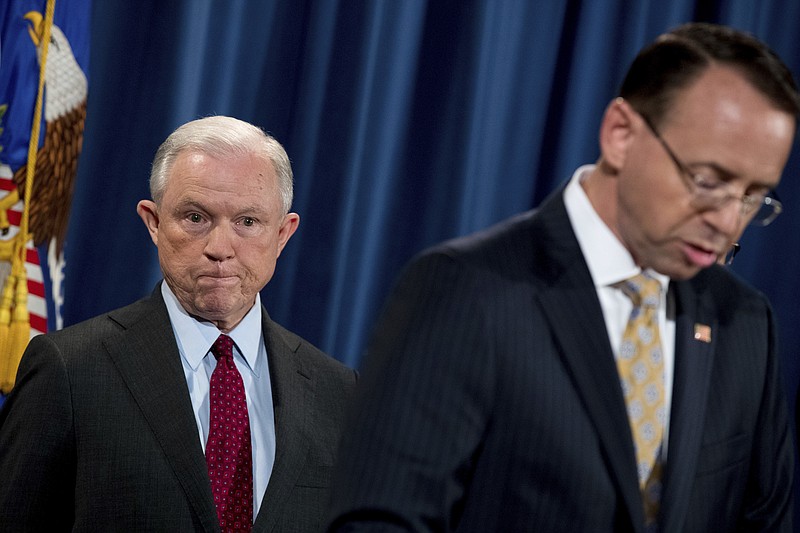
{"points": [[490, 400]]}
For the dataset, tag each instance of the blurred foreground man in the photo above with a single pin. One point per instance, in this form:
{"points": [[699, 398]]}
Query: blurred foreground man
{"points": [[189, 410], [589, 366]]}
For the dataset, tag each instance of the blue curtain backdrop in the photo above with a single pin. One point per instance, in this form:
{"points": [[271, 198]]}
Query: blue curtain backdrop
{"points": [[407, 121]]}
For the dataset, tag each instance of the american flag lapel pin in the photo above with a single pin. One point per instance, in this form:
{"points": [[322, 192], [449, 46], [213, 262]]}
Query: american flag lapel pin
{"points": [[702, 333]]}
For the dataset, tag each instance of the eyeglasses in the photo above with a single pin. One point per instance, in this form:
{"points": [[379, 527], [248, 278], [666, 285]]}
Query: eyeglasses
{"points": [[732, 251], [710, 193]]}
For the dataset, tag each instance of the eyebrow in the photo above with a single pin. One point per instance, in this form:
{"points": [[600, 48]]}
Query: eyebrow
{"points": [[253, 210], [188, 204]]}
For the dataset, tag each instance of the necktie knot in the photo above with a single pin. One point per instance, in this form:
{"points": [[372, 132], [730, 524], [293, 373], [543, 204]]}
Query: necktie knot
{"points": [[643, 290], [223, 347]]}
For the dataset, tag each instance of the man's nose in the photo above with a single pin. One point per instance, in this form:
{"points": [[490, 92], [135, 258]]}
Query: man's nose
{"points": [[729, 218], [219, 244]]}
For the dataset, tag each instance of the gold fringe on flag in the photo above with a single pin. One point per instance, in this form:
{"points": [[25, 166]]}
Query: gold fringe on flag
{"points": [[6, 302], [15, 329], [14, 317]]}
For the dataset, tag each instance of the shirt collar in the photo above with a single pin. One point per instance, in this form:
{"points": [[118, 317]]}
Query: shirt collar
{"points": [[195, 337], [608, 260]]}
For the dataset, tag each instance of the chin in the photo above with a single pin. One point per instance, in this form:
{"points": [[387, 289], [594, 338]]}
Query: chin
{"points": [[215, 310], [681, 273], [671, 267]]}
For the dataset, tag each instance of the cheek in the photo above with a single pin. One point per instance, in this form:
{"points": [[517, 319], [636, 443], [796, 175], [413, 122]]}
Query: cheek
{"points": [[176, 247], [259, 261], [655, 202], [176, 236], [635, 209]]}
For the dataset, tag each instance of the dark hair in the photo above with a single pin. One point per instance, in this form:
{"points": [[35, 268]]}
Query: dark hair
{"points": [[677, 58]]}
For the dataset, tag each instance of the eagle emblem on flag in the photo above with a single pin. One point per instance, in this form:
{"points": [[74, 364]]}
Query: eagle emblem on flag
{"points": [[64, 108]]}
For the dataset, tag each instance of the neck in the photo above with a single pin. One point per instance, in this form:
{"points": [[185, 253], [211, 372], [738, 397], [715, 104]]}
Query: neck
{"points": [[600, 186]]}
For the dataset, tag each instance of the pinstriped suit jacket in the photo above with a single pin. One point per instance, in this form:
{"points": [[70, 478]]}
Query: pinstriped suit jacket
{"points": [[99, 433], [490, 400]]}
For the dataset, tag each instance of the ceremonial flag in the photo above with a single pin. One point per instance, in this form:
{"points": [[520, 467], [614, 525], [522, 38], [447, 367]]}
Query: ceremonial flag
{"points": [[44, 53]]}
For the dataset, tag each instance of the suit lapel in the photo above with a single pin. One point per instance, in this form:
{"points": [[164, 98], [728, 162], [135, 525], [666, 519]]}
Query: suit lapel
{"points": [[291, 387], [693, 362], [578, 325], [146, 356]]}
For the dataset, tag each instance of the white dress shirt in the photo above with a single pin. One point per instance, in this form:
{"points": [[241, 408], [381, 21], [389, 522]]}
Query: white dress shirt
{"points": [[610, 263], [195, 338]]}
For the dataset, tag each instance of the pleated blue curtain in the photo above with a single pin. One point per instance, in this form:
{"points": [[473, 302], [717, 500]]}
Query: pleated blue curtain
{"points": [[407, 122]]}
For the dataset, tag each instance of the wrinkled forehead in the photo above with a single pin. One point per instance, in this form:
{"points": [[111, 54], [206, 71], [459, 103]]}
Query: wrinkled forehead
{"points": [[247, 175]]}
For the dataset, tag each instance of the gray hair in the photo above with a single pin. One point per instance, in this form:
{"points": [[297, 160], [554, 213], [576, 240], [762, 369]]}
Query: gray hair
{"points": [[221, 136]]}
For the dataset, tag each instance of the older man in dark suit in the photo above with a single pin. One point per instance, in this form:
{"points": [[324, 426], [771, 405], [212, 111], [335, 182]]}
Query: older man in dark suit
{"points": [[588, 366], [189, 410]]}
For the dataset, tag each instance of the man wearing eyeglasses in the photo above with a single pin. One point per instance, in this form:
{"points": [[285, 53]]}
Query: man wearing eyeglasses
{"points": [[589, 366]]}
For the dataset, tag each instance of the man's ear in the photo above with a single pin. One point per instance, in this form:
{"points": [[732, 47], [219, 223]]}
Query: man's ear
{"points": [[148, 212], [616, 133], [287, 229]]}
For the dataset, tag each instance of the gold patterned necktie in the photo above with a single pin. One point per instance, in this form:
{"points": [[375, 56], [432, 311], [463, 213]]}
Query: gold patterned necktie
{"points": [[641, 370]]}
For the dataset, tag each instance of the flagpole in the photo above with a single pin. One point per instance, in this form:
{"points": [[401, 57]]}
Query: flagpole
{"points": [[14, 316]]}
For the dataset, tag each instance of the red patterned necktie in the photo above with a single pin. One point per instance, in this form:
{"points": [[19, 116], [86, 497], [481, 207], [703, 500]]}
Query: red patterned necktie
{"points": [[228, 451]]}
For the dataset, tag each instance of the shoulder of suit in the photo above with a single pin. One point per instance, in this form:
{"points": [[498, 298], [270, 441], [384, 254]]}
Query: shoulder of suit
{"points": [[730, 292], [503, 249], [509, 228], [115, 320], [309, 355]]}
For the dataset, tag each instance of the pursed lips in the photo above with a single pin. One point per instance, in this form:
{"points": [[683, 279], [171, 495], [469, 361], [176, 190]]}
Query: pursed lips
{"points": [[217, 278]]}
